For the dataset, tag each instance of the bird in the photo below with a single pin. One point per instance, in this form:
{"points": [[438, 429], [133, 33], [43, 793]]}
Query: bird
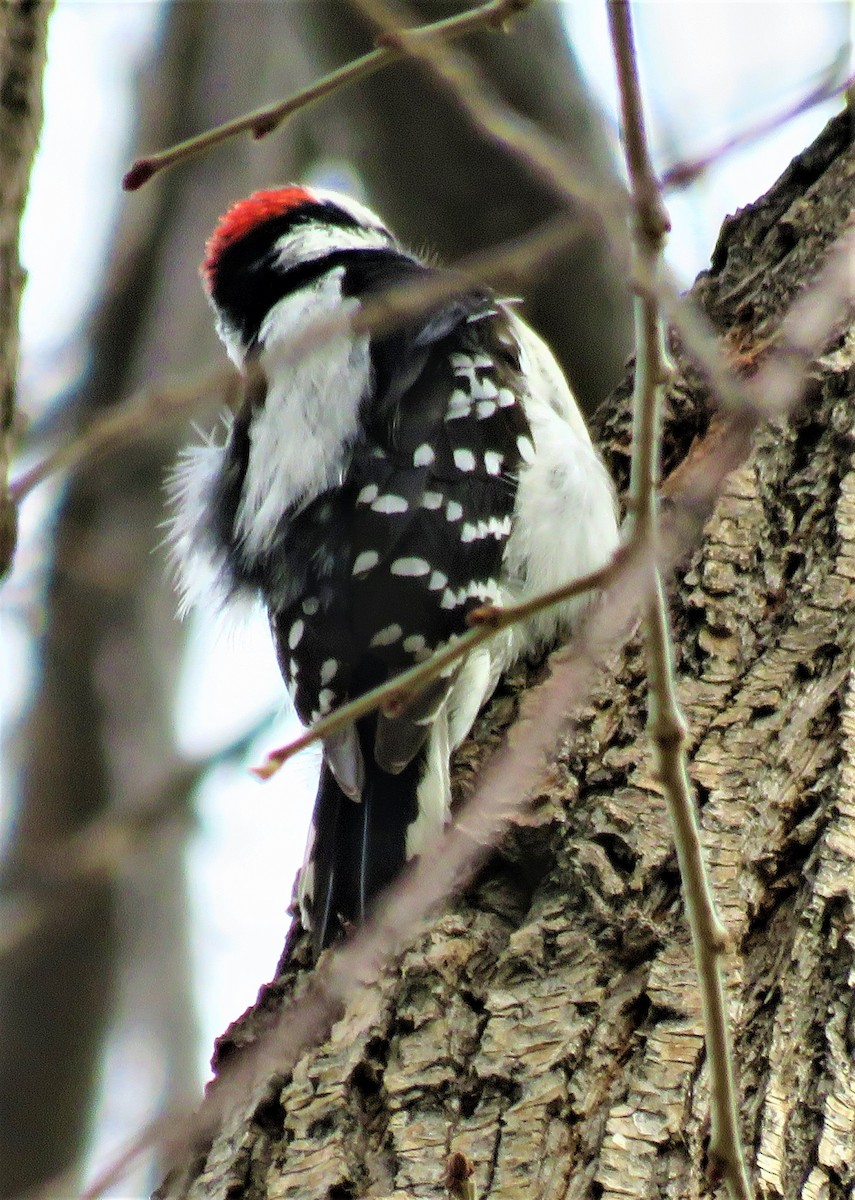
{"points": [[372, 488]]}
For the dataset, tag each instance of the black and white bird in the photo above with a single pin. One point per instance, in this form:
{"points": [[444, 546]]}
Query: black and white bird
{"points": [[372, 489]]}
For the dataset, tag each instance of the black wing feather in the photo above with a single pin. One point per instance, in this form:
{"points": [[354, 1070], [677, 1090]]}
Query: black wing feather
{"points": [[379, 571]]}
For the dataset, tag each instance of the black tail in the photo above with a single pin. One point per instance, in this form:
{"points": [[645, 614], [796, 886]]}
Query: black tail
{"points": [[359, 846]]}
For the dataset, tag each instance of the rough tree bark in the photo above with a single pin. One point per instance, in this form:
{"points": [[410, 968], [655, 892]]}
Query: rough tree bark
{"points": [[547, 1023]]}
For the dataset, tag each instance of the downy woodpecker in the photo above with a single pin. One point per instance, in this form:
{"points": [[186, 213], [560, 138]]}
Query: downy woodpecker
{"points": [[372, 489]]}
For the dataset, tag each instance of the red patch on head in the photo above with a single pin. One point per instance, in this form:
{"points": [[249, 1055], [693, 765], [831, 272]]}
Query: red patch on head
{"points": [[244, 216]]}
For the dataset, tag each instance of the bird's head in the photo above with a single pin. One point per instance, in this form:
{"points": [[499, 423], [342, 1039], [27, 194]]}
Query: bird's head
{"points": [[277, 241]]}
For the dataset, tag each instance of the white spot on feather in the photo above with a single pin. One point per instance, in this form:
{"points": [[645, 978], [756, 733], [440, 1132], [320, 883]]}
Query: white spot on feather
{"points": [[485, 392], [464, 459], [459, 405], [365, 561], [368, 494], [410, 566], [390, 504], [387, 636]]}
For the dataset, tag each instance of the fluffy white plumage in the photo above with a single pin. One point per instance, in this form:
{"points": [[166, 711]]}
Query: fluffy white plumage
{"points": [[196, 564], [299, 439], [565, 514]]}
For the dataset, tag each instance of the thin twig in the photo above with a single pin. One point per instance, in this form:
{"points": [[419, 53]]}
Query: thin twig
{"points": [[829, 87], [495, 14], [603, 198], [141, 414], [666, 721], [398, 693], [510, 262]]}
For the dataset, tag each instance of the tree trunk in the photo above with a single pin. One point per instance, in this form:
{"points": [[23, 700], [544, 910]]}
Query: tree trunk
{"points": [[547, 1024], [23, 33]]}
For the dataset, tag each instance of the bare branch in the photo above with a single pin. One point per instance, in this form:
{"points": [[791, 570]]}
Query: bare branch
{"points": [[687, 171], [495, 14], [138, 416], [398, 693], [23, 36], [666, 721]]}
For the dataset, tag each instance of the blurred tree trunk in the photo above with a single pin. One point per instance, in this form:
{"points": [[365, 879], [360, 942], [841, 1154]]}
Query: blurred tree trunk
{"points": [[98, 739], [23, 31], [443, 184], [548, 1023]]}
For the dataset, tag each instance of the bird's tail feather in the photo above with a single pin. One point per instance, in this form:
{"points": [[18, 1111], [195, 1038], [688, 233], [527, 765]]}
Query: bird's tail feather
{"points": [[357, 847]]}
